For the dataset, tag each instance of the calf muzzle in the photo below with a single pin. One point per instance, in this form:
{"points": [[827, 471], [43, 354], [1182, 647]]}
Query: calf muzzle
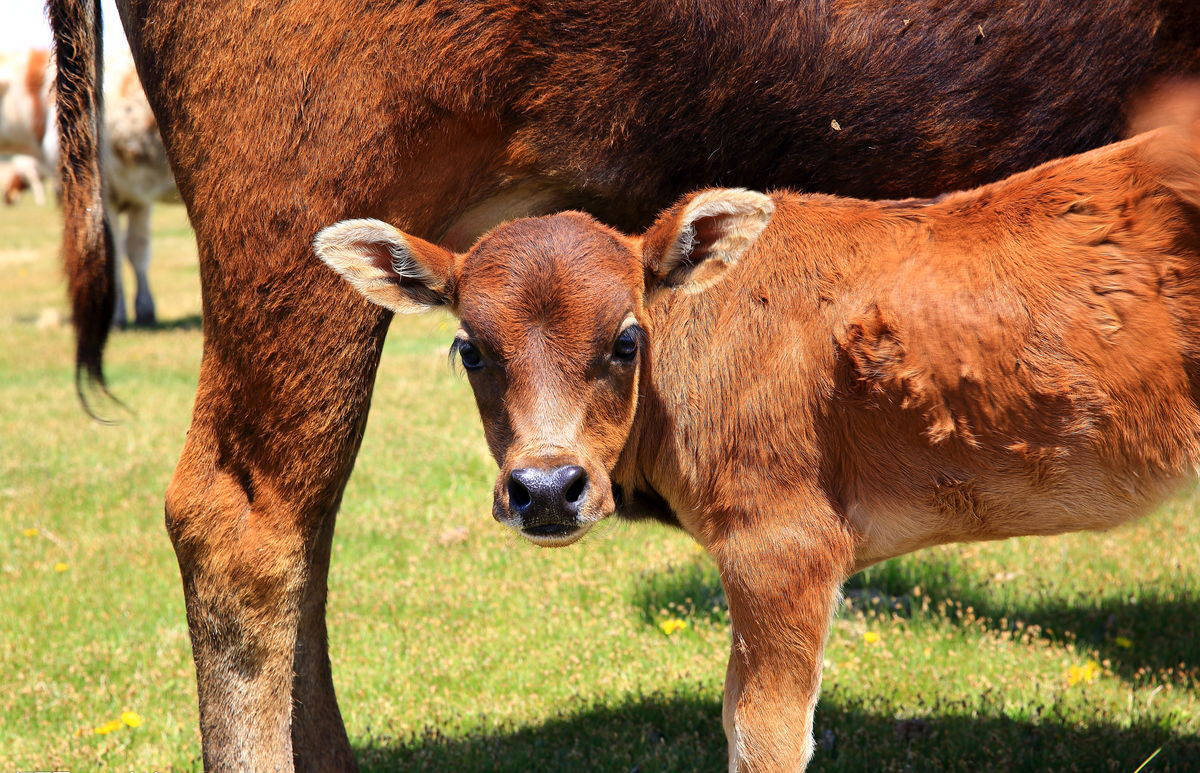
{"points": [[546, 501]]}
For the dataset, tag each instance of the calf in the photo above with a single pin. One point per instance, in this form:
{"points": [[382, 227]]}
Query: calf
{"points": [[812, 384]]}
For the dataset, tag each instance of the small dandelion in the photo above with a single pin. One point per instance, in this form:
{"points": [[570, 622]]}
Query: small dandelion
{"points": [[131, 718], [30, 532], [60, 567], [108, 727], [1086, 673], [1123, 642], [672, 625], [870, 637]]}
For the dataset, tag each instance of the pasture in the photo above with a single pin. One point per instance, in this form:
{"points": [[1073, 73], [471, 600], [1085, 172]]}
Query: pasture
{"points": [[457, 646]]}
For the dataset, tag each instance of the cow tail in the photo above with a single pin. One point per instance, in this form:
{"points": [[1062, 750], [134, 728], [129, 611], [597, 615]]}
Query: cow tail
{"points": [[87, 245]]}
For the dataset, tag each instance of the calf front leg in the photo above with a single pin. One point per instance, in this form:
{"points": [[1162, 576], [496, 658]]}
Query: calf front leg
{"points": [[782, 585]]}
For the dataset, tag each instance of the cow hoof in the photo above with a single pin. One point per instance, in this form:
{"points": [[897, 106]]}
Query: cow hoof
{"points": [[146, 320]]}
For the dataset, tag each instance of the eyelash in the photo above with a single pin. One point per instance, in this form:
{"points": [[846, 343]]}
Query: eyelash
{"points": [[468, 354], [635, 337]]}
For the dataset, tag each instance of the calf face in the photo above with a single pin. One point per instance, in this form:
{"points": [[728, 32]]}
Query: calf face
{"points": [[553, 327]]}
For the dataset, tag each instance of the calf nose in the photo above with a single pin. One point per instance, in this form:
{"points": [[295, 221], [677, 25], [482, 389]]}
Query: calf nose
{"points": [[547, 496]]}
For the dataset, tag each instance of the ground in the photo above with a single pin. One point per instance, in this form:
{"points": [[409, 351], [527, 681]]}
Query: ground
{"points": [[458, 647]]}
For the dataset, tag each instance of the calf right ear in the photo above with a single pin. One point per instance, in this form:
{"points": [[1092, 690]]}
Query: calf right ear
{"points": [[694, 243], [390, 268]]}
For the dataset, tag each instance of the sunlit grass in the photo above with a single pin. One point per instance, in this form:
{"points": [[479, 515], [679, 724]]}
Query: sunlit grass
{"points": [[457, 647]]}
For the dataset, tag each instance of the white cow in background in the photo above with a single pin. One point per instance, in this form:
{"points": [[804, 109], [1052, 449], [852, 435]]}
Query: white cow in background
{"points": [[26, 81], [137, 176], [22, 173], [136, 171]]}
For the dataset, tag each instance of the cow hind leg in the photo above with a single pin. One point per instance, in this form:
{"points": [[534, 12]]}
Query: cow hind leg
{"points": [[279, 414], [137, 248]]}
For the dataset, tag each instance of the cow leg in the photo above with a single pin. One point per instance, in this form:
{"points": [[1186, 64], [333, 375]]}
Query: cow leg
{"points": [[279, 414], [120, 318], [781, 591], [137, 248]]}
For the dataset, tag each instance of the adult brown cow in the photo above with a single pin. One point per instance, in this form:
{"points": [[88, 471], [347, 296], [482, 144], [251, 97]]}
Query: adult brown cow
{"points": [[445, 117], [815, 384]]}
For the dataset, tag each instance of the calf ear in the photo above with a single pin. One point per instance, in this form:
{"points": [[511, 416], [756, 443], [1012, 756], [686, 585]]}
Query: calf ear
{"points": [[396, 271], [693, 243]]}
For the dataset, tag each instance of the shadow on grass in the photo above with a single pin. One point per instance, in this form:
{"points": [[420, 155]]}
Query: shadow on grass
{"points": [[187, 322], [1158, 624], [678, 733]]}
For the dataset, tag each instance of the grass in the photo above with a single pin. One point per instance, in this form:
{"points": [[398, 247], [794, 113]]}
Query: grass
{"points": [[457, 647]]}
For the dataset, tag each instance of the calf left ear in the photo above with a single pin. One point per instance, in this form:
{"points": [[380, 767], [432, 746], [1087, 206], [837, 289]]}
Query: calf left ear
{"points": [[696, 241], [390, 268]]}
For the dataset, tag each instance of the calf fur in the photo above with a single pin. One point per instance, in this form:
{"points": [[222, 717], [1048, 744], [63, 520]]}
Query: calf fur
{"points": [[820, 383]]}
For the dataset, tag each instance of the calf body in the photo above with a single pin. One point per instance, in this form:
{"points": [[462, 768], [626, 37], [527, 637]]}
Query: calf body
{"points": [[852, 381]]}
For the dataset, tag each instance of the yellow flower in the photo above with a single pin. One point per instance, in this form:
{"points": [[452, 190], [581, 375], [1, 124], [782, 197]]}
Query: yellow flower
{"points": [[29, 532], [1088, 672], [131, 718], [672, 625], [60, 567], [107, 727], [1123, 642], [870, 637]]}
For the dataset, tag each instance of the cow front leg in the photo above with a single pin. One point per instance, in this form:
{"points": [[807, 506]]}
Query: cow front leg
{"points": [[120, 318], [782, 588], [137, 247], [279, 414]]}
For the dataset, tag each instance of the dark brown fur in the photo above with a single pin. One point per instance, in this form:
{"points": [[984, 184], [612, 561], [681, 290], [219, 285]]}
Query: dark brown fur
{"points": [[280, 118]]}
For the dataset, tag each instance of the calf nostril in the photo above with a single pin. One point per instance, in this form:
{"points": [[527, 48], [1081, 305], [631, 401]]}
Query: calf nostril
{"points": [[574, 492], [518, 495]]}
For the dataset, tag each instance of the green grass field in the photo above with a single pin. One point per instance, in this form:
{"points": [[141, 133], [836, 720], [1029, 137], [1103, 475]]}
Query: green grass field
{"points": [[457, 647]]}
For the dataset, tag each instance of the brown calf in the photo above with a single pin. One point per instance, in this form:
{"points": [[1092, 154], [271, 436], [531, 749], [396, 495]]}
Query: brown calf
{"points": [[813, 384], [446, 117]]}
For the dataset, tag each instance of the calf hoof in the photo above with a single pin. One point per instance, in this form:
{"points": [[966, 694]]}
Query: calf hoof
{"points": [[146, 319]]}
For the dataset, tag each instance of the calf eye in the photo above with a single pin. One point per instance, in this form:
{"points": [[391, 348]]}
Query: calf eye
{"points": [[469, 354], [626, 347]]}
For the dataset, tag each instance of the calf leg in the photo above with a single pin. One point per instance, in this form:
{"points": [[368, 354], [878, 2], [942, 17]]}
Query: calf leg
{"points": [[279, 414], [782, 589], [137, 248]]}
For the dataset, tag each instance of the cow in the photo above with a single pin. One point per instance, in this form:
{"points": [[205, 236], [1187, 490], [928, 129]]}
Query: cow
{"points": [[812, 384], [20, 173], [25, 101], [446, 117], [138, 176]]}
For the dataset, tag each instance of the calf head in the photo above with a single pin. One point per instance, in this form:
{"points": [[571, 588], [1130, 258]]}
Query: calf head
{"points": [[553, 332]]}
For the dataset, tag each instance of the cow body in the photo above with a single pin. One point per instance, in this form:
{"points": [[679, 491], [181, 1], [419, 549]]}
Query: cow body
{"points": [[446, 117], [853, 381]]}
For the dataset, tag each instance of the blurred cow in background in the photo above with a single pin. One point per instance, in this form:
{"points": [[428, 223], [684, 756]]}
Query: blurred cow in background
{"points": [[138, 176], [21, 173], [134, 157], [25, 101]]}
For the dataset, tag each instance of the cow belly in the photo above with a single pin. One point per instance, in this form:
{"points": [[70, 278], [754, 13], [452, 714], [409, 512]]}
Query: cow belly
{"points": [[527, 198], [1084, 497]]}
